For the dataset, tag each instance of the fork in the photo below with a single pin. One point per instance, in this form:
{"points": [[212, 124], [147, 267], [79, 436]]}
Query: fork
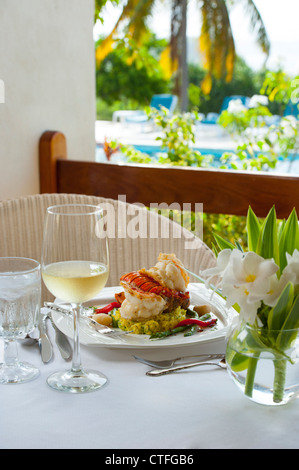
{"points": [[103, 329], [171, 362]]}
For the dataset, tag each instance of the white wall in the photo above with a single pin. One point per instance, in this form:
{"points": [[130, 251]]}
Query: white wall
{"points": [[47, 66]]}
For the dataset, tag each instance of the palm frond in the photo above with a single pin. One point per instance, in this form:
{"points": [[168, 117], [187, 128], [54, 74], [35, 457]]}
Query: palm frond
{"points": [[138, 20], [257, 26], [216, 41], [106, 45]]}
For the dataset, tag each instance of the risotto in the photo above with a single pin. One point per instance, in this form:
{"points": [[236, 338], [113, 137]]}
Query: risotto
{"points": [[162, 322]]}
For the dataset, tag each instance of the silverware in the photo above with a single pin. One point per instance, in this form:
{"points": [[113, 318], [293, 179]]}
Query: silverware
{"points": [[45, 345], [61, 340], [158, 372], [87, 320], [171, 362]]}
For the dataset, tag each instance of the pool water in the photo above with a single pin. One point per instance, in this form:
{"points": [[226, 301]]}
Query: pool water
{"points": [[283, 166]]}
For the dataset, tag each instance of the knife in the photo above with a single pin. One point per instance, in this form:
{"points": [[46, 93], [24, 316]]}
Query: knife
{"points": [[61, 340], [45, 345]]}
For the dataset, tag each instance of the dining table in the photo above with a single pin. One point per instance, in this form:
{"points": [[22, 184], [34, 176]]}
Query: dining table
{"points": [[137, 418]]}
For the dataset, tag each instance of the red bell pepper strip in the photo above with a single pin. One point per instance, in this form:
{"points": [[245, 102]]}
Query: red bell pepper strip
{"points": [[108, 308], [194, 321]]}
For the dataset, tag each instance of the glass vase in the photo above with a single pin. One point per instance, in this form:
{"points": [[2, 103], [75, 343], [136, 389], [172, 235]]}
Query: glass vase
{"points": [[264, 364]]}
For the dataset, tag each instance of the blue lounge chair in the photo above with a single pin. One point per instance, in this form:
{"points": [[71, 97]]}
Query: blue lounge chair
{"points": [[292, 109], [212, 118], [164, 100]]}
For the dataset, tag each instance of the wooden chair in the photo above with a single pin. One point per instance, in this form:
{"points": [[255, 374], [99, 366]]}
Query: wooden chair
{"points": [[220, 191]]}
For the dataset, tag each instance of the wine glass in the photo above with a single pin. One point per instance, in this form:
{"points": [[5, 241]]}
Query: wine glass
{"points": [[75, 268], [20, 295]]}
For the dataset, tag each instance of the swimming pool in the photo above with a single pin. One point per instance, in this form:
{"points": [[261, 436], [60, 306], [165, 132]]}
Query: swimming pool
{"points": [[283, 166]]}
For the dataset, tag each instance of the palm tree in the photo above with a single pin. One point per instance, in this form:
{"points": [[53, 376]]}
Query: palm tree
{"points": [[216, 38]]}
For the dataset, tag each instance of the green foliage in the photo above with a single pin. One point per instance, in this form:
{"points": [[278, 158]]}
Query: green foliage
{"points": [[135, 156], [245, 82], [178, 139], [259, 144], [99, 5], [277, 86], [117, 81], [230, 227], [120, 79]]}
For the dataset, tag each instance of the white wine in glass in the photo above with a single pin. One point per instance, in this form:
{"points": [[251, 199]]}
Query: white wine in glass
{"points": [[75, 268]]}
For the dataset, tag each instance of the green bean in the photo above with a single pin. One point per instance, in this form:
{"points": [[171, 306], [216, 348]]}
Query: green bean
{"points": [[164, 334], [205, 317], [192, 330]]}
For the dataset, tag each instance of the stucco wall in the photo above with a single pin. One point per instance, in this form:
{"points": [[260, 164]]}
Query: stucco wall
{"points": [[47, 66]]}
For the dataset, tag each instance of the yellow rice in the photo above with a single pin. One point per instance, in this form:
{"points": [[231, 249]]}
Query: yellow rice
{"points": [[162, 322]]}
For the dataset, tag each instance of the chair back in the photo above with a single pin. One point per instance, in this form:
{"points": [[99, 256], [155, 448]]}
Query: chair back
{"points": [[292, 109], [136, 235], [167, 101]]}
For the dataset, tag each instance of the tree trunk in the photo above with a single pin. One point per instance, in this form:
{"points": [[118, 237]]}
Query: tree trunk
{"points": [[183, 59], [179, 50]]}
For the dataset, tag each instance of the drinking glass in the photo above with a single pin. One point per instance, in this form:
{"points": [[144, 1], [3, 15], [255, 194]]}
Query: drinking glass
{"points": [[75, 268], [20, 294]]}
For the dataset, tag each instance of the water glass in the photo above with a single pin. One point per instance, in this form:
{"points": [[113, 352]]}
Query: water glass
{"points": [[20, 298]]}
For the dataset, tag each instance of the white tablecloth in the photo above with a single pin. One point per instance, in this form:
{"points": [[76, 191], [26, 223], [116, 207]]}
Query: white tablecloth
{"points": [[199, 408]]}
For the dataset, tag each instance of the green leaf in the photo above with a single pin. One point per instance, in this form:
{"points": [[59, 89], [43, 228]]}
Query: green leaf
{"points": [[278, 314], [222, 243], [253, 230], [292, 320], [287, 333], [215, 250], [238, 362], [280, 229], [267, 245], [239, 246], [289, 238]]}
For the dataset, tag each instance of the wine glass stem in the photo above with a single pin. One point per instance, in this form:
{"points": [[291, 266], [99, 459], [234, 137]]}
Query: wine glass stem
{"points": [[10, 353], [76, 364]]}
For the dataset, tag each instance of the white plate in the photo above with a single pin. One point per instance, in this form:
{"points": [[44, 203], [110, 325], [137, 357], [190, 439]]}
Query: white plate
{"points": [[198, 294]]}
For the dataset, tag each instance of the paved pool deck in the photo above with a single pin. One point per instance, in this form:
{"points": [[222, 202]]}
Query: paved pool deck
{"points": [[208, 136]]}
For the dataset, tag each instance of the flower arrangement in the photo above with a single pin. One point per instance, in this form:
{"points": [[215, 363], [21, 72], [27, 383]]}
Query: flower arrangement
{"points": [[262, 283]]}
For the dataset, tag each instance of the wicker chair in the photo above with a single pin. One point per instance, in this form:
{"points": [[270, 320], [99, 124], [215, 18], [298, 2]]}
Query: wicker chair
{"points": [[21, 222]]}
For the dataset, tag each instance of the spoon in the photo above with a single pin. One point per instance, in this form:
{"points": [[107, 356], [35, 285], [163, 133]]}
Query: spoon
{"points": [[158, 372]]}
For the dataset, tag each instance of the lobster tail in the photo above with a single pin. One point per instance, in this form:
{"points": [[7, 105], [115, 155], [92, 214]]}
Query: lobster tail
{"points": [[141, 283]]}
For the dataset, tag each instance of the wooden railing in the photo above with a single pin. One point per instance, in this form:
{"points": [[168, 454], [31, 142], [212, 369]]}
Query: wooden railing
{"points": [[220, 191]]}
